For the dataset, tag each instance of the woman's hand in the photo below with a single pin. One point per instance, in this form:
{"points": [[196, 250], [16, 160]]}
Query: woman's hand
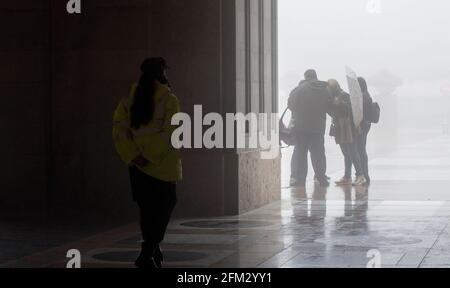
{"points": [[140, 161]]}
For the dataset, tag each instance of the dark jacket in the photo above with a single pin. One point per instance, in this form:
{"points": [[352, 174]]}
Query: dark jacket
{"points": [[367, 104], [310, 103]]}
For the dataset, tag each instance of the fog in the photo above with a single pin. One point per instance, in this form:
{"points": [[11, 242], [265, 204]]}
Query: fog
{"points": [[403, 51], [409, 38]]}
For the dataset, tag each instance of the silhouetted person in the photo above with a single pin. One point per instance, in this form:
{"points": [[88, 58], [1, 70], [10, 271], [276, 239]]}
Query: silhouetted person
{"points": [[364, 129], [346, 134], [310, 102], [142, 131], [294, 163]]}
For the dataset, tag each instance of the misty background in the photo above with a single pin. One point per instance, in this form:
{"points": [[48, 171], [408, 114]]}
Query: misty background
{"points": [[402, 49]]}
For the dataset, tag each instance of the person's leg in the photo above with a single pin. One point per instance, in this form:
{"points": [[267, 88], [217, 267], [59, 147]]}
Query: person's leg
{"points": [[156, 200], [347, 178], [168, 202], [323, 160], [362, 151], [137, 181], [347, 161], [317, 149], [164, 208], [355, 158], [323, 156], [302, 156], [294, 166], [140, 188], [146, 213]]}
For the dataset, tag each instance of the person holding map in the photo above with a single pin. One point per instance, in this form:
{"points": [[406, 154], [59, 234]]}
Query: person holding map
{"points": [[362, 104], [364, 128], [345, 133]]}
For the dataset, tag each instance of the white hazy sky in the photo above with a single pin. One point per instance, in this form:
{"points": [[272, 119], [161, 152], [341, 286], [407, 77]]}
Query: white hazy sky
{"points": [[410, 38]]}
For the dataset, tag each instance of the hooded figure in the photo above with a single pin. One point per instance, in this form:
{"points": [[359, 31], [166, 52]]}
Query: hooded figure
{"points": [[365, 129], [367, 103], [310, 102]]}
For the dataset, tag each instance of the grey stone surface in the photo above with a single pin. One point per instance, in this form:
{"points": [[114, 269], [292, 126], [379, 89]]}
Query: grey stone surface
{"points": [[64, 75]]}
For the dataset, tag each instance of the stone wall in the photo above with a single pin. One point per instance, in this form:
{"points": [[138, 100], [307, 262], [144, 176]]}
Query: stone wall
{"points": [[24, 115], [259, 181], [63, 75]]}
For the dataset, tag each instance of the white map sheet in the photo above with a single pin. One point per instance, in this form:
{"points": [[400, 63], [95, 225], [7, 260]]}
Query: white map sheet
{"points": [[356, 96]]}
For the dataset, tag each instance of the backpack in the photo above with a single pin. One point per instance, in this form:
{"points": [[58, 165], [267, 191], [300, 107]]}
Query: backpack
{"points": [[374, 113]]}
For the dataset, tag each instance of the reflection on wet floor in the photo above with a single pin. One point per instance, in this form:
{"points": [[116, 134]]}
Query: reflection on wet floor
{"points": [[404, 215], [131, 255]]}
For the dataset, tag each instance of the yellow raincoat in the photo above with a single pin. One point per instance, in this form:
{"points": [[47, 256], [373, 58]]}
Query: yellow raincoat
{"points": [[151, 141]]}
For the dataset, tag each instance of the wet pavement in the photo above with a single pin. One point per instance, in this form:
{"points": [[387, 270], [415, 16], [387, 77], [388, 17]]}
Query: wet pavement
{"points": [[404, 215]]}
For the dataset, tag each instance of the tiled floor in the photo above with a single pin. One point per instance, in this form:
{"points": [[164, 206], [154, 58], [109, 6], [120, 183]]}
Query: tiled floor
{"points": [[404, 215]]}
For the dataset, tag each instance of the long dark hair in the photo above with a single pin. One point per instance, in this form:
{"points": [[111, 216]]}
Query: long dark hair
{"points": [[143, 108]]}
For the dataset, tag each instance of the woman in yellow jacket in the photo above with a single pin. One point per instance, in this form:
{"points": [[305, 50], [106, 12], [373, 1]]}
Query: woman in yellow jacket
{"points": [[142, 132]]}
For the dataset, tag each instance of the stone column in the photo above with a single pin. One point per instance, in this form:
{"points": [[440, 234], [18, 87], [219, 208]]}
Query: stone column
{"points": [[223, 57]]}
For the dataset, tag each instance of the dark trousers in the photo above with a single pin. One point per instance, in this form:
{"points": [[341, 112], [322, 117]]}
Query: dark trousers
{"points": [[351, 158], [156, 200], [313, 143], [361, 145]]}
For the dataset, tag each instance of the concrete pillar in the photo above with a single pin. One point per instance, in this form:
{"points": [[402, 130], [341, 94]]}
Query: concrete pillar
{"points": [[223, 55], [258, 181]]}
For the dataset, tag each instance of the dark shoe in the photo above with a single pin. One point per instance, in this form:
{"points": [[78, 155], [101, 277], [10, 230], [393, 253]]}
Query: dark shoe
{"points": [[143, 262], [145, 259], [316, 180], [322, 181], [296, 183], [158, 257]]}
